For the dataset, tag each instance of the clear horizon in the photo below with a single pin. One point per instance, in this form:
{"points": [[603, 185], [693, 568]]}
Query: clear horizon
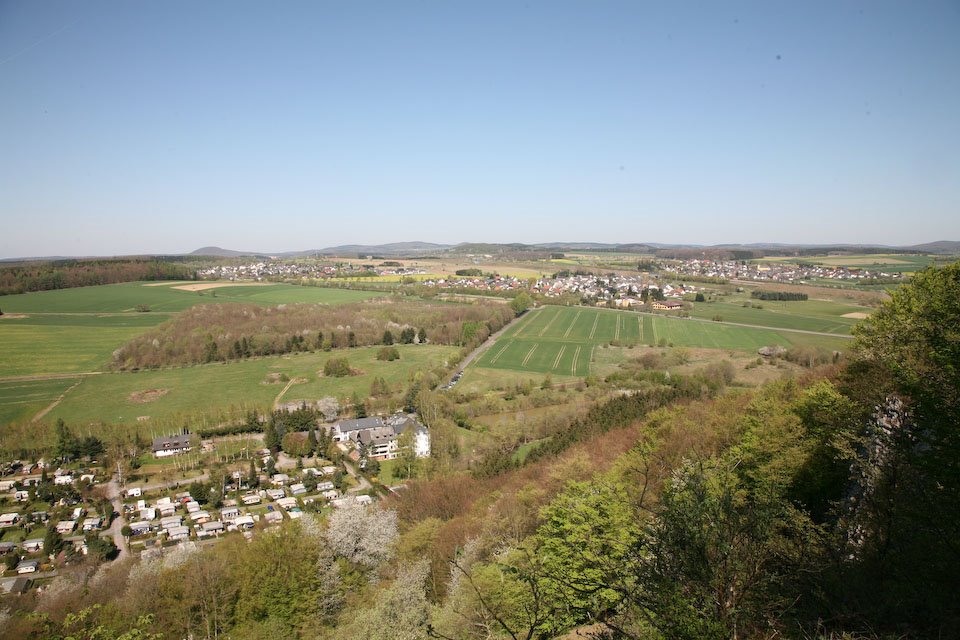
{"points": [[159, 129]]}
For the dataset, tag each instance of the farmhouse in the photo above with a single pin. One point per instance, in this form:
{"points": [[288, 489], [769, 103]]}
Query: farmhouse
{"points": [[380, 435], [667, 305], [171, 445]]}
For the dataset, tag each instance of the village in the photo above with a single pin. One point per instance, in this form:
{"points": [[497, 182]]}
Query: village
{"points": [[56, 513]]}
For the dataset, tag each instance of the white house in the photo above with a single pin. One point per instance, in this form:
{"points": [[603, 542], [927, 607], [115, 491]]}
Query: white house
{"points": [[171, 445], [381, 435]]}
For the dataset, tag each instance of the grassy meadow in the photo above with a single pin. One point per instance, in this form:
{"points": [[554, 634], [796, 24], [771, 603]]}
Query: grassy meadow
{"points": [[119, 397], [804, 315], [77, 330], [21, 400], [562, 340], [888, 262], [166, 297]]}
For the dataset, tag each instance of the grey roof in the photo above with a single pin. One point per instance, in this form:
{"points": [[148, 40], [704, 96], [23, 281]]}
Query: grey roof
{"points": [[360, 423], [171, 442], [375, 435]]}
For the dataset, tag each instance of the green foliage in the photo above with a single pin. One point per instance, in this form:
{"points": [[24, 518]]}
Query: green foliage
{"points": [[337, 368], [584, 546], [521, 302], [388, 354], [760, 294]]}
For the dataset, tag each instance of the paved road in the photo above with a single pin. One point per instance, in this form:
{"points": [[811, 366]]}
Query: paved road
{"points": [[363, 483], [480, 349]]}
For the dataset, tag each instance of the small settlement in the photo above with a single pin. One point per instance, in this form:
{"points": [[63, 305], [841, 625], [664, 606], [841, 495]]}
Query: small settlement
{"points": [[198, 503]]}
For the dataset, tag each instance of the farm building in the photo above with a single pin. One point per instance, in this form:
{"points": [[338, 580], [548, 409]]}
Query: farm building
{"points": [[667, 305]]}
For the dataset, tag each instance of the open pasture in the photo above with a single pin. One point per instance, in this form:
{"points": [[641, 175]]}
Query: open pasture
{"points": [[125, 397], [21, 400], [60, 343], [77, 330], [805, 315], [118, 298], [888, 262], [562, 340]]}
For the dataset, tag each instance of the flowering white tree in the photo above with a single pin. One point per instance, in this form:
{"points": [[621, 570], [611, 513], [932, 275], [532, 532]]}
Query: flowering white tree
{"points": [[362, 535]]}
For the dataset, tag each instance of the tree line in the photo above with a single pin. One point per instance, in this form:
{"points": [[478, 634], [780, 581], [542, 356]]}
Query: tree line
{"points": [[66, 274], [788, 296]]}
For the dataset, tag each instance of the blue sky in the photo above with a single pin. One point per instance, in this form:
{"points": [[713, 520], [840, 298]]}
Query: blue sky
{"points": [[131, 127]]}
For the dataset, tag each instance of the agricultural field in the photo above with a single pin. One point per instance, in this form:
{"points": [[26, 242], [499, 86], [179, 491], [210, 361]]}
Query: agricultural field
{"points": [[77, 330], [171, 297], [892, 262], [60, 343], [805, 315], [21, 400], [167, 393], [562, 340]]}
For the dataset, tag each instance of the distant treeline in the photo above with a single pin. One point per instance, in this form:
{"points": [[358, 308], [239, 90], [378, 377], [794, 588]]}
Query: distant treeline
{"points": [[778, 295], [221, 332], [66, 274]]}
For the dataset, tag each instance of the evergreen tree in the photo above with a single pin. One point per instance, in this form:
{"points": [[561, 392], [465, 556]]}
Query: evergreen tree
{"points": [[271, 438]]}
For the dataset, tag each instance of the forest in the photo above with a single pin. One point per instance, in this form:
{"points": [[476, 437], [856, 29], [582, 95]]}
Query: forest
{"points": [[66, 274], [825, 505]]}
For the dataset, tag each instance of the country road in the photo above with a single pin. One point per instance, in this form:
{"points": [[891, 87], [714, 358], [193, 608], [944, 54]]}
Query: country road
{"points": [[116, 527], [483, 346]]}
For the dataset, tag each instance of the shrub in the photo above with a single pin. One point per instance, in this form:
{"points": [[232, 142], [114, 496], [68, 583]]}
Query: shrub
{"points": [[388, 354], [337, 368]]}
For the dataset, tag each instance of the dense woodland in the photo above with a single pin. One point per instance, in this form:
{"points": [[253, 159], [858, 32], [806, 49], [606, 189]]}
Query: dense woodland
{"points": [[213, 333], [822, 506], [65, 274]]}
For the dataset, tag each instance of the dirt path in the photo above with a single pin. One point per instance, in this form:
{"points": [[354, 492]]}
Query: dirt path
{"points": [[116, 527], [50, 376], [53, 405], [276, 401]]}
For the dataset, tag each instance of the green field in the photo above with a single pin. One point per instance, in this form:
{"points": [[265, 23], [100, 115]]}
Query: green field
{"points": [[208, 388], [65, 344], [77, 330], [807, 315], [116, 298], [888, 262], [561, 340], [21, 400]]}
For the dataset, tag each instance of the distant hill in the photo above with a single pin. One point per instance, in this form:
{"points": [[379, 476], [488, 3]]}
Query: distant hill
{"points": [[948, 247], [516, 249], [391, 249], [217, 252]]}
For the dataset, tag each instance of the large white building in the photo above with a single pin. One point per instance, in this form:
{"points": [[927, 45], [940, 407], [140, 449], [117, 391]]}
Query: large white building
{"points": [[381, 435]]}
